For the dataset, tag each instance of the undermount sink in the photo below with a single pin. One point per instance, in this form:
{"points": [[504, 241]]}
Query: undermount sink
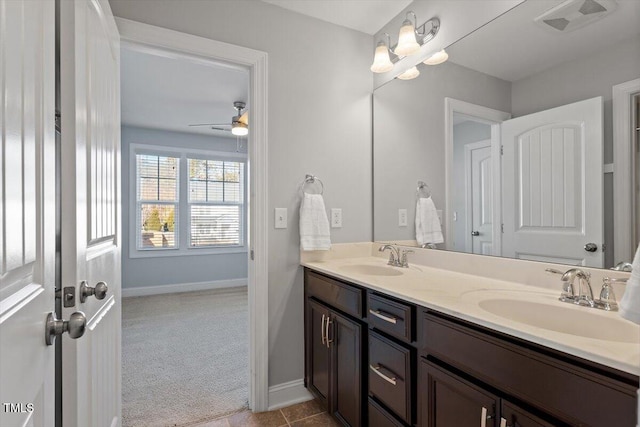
{"points": [[579, 321], [371, 270]]}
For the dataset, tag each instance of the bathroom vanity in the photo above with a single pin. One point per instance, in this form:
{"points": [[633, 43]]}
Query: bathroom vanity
{"points": [[422, 346]]}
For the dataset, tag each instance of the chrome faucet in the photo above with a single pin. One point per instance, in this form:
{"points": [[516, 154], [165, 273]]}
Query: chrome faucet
{"points": [[397, 256], [623, 266], [394, 254], [585, 293], [607, 300]]}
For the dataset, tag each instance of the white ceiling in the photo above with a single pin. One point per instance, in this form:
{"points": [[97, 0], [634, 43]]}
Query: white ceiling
{"points": [[169, 93], [367, 16], [531, 49]]}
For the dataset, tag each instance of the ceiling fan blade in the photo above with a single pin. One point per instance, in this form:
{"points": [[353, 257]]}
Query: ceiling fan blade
{"points": [[210, 124], [244, 118], [222, 129]]}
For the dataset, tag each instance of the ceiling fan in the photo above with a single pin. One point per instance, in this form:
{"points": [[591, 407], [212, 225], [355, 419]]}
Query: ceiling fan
{"points": [[239, 125]]}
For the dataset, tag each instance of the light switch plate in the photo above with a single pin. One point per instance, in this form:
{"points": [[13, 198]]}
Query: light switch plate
{"points": [[281, 218], [336, 218], [402, 217]]}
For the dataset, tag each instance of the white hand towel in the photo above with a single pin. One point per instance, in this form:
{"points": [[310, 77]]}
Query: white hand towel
{"points": [[428, 228], [314, 224], [630, 302]]}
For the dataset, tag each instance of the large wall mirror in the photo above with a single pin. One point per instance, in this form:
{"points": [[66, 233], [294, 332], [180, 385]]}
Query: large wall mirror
{"points": [[526, 138]]}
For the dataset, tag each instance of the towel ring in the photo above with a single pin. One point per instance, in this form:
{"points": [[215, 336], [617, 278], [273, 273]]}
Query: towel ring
{"points": [[309, 180], [423, 191]]}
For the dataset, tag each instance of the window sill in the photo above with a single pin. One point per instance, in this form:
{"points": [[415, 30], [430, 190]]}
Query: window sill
{"points": [[163, 253]]}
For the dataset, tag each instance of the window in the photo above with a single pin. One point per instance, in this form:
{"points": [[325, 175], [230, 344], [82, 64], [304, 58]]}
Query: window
{"points": [[215, 202], [186, 202], [157, 201]]}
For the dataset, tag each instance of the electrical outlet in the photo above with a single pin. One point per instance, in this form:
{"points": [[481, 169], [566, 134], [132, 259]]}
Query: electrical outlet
{"points": [[281, 218], [402, 217], [336, 218]]}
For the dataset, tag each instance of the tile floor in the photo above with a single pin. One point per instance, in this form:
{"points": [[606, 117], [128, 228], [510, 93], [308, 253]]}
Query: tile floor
{"points": [[308, 414]]}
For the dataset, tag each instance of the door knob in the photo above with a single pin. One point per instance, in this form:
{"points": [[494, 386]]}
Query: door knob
{"points": [[100, 290], [590, 247], [74, 326], [475, 233]]}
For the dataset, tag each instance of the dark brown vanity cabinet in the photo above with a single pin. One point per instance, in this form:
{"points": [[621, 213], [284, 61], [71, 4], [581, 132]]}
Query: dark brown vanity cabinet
{"points": [[333, 347], [448, 400], [375, 360]]}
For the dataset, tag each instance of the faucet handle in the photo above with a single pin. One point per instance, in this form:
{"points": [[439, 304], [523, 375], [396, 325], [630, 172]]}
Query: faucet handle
{"points": [[403, 260], [607, 299]]}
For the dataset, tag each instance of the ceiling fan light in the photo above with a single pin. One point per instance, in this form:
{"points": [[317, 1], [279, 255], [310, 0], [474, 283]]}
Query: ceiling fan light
{"points": [[239, 129], [407, 43], [381, 60], [437, 58], [411, 73]]}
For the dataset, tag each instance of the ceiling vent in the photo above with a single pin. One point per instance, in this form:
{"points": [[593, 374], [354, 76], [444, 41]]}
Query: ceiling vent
{"points": [[573, 14]]}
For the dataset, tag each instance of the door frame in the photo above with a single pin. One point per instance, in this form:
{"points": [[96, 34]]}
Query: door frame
{"points": [[468, 190], [623, 161], [493, 118], [178, 44]]}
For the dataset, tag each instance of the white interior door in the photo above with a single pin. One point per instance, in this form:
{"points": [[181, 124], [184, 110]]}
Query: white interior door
{"points": [[553, 184], [479, 195], [90, 107], [27, 211]]}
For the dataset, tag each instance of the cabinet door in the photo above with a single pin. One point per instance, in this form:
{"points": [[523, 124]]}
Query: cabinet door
{"points": [[447, 400], [345, 340], [514, 416], [317, 350]]}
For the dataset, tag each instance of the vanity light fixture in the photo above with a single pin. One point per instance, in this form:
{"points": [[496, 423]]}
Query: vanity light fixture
{"points": [[437, 58], [382, 60], [411, 73], [410, 38]]}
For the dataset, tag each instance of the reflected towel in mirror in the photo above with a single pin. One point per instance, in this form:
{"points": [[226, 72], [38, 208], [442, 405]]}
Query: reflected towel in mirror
{"points": [[314, 224], [428, 228], [630, 303]]}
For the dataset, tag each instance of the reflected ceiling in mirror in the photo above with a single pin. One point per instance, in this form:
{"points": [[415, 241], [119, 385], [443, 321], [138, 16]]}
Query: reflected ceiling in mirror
{"points": [[542, 95]]}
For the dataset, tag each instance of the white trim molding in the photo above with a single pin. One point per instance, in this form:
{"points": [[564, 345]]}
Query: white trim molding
{"points": [[175, 288], [623, 161], [176, 44], [287, 394], [490, 117]]}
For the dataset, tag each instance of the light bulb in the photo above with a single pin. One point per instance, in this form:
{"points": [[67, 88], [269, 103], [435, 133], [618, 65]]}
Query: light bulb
{"points": [[437, 58], [381, 60], [411, 73], [407, 44], [239, 129]]}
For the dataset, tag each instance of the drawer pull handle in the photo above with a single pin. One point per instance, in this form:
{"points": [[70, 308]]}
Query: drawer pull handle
{"points": [[387, 318], [484, 417], [376, 369], [322, 330], [327, 331]]}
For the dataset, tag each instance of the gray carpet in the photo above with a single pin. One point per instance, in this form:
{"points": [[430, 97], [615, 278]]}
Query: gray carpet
{"points": [[185, 357]]}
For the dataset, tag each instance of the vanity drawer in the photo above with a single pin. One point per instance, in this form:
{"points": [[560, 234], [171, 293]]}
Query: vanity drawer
{"points": [[390, 316], [379, 417], [568, 391], [390, 375], [342, 296]]}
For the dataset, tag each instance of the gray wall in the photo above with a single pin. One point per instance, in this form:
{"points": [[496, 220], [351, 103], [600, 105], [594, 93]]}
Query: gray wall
{"points": [[409, 138], [168, 270], [464, 133], [319, 122], [583, 78]]}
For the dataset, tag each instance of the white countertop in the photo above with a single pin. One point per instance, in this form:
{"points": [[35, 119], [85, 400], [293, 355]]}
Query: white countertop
{"points": [[461, 295]]}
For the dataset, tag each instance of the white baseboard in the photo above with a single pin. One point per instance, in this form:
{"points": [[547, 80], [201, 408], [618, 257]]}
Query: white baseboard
{"points": [[182, 287], [287, 394]]}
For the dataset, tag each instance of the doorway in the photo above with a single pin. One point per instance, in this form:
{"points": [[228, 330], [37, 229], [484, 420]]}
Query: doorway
{"points": [[185, 220], [177, 44]]}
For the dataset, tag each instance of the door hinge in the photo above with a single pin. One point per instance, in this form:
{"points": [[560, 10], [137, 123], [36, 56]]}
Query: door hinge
{"points": [[502, 150], [502, 228], [252, 255]]}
